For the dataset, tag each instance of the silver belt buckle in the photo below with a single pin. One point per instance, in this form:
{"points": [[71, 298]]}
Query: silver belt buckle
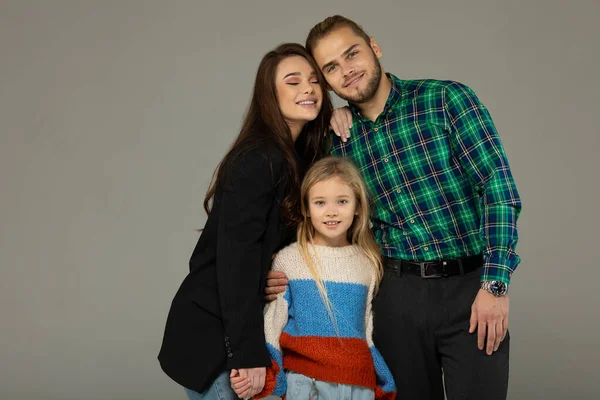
{"points": [[422, 266]]}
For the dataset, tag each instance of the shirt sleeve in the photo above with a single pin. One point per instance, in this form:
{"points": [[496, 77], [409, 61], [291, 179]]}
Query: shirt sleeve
{"points": [[276, 318], [477, 146], [386, 388], [247, 197]]}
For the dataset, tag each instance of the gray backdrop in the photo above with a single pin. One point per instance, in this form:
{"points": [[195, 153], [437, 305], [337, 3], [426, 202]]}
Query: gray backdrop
{"points": [[113, 115]]}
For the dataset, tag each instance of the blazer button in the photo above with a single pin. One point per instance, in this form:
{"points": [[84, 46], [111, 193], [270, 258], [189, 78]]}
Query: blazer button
{"points": [[227, 344], [230, 355], [227, 338]]}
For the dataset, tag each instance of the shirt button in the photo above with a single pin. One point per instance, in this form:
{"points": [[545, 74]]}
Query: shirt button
{"points": [[426, 249], [398, 190], [412, 221], [375, 129], [386, 159], [389, 111], [405, 233]]}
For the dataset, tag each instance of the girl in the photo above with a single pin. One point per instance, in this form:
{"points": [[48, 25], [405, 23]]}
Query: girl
{"points": [[215, 323], [320, 330]]}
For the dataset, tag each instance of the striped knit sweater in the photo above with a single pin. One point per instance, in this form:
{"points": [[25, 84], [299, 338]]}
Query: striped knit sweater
{"points": [[301, 336]]}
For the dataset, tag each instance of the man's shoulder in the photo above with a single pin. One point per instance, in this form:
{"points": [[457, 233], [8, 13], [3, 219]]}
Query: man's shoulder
{"points": [[428, 86]]}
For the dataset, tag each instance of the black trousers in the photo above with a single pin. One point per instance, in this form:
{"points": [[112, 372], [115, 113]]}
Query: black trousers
{"points": [[421, 327]]}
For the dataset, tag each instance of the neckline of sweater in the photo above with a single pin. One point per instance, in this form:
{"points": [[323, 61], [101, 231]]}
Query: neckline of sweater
{"points": [[336, 252]]}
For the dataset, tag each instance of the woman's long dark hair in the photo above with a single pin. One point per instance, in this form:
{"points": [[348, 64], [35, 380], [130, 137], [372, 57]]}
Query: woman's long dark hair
{"points": [[265, 125]]}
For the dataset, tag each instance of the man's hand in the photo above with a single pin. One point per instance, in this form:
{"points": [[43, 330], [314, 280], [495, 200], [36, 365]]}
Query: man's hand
{"points": [[489, 314], [247, 382], [341, 122], [276, 283]]}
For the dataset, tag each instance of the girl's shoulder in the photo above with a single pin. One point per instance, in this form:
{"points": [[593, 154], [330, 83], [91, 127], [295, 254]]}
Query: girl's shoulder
{"points": [[288, 259]]}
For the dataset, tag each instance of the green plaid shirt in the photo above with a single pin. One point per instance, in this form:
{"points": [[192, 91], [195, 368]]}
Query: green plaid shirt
{"points": [[439, 179]]}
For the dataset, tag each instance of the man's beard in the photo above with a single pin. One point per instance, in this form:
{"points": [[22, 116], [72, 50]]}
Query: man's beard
{"points": [[367, 94]]}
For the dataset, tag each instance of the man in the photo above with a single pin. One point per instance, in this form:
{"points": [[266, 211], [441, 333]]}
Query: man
{"points": [[445, 208]]}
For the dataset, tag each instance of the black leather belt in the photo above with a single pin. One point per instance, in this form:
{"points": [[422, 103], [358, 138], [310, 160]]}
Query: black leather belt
{"points": [[435, 269]]}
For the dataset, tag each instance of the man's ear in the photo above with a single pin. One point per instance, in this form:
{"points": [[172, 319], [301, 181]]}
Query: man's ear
{"points": [[376, 48]]}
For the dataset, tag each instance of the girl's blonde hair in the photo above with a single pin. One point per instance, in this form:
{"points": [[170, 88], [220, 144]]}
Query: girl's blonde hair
{"points": [[359, 232]]}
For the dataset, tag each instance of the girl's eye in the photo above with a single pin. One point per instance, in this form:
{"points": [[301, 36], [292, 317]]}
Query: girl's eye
{"points": [[292, 83], [343, 201], [319, 203]]}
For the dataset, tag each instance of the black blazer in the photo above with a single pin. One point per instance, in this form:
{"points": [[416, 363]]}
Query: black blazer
{"points": [[216, 318]]}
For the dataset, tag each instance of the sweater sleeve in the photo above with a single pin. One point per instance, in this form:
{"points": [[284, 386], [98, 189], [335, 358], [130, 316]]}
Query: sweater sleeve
{"points": [[276, 318], [386, 388]]}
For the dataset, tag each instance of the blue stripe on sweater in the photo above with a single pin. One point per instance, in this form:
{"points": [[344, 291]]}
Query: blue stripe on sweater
{"points": [[385, 380], [281, 381], [348, 300]]}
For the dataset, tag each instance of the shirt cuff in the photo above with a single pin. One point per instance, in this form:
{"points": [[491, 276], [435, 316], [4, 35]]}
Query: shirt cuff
{"points": [[497, 269]]}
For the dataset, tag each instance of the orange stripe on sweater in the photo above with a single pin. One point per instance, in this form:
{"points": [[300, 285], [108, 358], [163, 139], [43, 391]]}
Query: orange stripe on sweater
{"points": [[330, 359], [381, 395]]}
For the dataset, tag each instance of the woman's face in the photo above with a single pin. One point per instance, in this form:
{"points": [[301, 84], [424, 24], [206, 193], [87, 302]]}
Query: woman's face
{"points": [[298, 92]]}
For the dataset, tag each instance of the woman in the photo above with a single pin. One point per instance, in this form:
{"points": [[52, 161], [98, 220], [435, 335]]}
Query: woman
{"points": [[215, 323]]}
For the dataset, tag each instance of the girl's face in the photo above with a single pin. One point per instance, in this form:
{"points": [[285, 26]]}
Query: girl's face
{"points": [[298, 92], [331, 206]]}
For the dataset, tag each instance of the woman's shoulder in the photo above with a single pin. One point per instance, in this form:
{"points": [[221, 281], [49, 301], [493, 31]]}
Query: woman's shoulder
{"points": [[258, 151], [257, 161]]}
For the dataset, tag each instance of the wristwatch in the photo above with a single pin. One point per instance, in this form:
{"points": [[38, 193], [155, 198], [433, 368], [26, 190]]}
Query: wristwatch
{"points": [[497, 288]]}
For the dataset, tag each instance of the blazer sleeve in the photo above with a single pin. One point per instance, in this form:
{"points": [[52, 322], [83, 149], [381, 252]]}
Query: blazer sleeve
{"points": [[248, 194]]}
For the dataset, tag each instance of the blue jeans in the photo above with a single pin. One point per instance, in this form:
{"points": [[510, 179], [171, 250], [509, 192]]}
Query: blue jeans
{"points": [[300, 387], [219, 390]]}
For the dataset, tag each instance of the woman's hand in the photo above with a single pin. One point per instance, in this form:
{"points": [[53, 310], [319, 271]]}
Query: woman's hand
{"points": [[341, 122], [248, 382]]}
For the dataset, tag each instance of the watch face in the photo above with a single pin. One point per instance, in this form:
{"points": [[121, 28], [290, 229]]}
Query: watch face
{"points": [[498, 288]]}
